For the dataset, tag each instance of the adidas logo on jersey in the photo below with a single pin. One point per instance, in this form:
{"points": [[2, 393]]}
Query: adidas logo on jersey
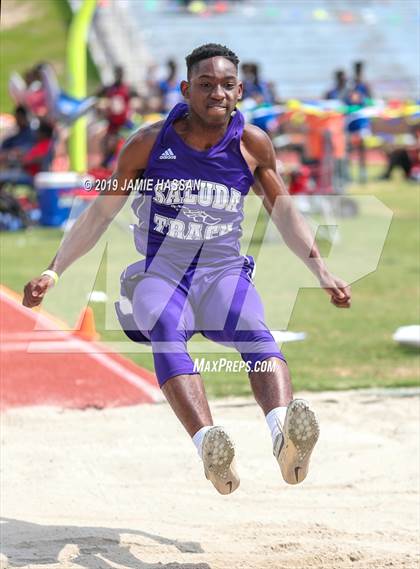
{"points": [[167, 155]]}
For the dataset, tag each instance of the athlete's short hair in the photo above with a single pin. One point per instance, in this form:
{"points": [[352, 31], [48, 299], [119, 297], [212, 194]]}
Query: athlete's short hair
{"points": [[210, 50]]}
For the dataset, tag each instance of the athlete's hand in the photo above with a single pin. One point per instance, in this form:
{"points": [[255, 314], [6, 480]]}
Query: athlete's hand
{"points": [[338, 290], [35, 290]]}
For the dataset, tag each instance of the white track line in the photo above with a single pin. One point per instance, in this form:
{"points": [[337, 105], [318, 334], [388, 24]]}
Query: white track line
{"points": [[35, 336], [86, 347], [45, 346]]}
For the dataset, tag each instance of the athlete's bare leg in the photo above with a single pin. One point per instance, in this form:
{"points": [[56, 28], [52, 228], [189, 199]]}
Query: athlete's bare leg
{"points": [[187, 397], [297, 436], [272, 388]]}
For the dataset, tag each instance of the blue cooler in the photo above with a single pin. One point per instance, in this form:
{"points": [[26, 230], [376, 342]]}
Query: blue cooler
{"points": [[55, 192]]}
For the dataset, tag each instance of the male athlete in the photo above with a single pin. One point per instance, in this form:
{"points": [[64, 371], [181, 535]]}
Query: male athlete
{"points": [[195, 169]]}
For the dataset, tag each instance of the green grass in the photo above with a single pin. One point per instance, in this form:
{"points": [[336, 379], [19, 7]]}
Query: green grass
{"points": [[344, 348], [41, 35]]}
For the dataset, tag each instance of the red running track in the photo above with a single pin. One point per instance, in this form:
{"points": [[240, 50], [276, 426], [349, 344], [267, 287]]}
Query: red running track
{"points": [[34, 372]]}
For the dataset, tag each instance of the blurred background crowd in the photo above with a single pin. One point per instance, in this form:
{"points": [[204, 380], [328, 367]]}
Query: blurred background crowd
{"points": [[323, 141]]}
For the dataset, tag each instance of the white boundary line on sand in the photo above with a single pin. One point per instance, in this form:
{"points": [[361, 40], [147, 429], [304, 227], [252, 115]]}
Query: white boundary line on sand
{"points": [[86, 347]]}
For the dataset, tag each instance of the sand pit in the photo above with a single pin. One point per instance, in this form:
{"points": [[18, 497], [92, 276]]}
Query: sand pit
{"points": [[123, 488]]}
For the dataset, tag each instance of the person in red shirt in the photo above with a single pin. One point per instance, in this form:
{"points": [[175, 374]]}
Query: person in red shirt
{"points": [[39, 156], [118, 97], [117, 112]]}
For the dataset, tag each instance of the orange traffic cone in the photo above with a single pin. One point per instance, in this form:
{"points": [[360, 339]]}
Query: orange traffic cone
{"points": [[85, 327]]}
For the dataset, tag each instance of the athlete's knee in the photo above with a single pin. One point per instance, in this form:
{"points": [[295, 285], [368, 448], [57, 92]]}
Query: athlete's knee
{"points": [[170, 364]]}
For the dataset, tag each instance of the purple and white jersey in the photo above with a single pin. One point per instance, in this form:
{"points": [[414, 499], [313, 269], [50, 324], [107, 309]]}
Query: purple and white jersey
{"points": [[190, 200]]}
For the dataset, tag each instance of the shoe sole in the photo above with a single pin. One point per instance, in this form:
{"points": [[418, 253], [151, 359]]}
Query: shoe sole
{"points": [[301, 432], [219, 461]]}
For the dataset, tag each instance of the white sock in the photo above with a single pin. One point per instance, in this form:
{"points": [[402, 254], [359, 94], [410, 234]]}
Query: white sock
{"points": [[275, 417], [198, 439]]}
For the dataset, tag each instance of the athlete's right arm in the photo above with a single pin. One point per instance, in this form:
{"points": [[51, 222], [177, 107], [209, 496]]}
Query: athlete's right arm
{"points": [[92, 223]]}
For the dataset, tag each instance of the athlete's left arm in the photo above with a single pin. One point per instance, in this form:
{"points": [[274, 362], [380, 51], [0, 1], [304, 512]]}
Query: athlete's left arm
{"points": [[288, 220]]}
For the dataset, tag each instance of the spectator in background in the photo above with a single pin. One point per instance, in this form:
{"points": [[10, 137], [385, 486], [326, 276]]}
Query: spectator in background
{"points": [[169, 88], [358, 95], [407, 158], [24, 163], [254, 87], [33, 76], [339, 91], [117, 95], [259, 98], [359, 86], [35, 98], [39, 157], [117, 112], [152, 81], [24, 137]]}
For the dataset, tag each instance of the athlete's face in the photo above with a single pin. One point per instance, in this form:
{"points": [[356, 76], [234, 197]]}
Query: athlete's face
{"points": [[213, 90]]}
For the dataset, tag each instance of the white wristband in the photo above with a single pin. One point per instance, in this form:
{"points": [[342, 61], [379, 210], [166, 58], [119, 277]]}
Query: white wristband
{"points": [[51, 274]]}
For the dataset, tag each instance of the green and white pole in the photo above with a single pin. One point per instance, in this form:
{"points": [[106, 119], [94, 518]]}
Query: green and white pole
{"points": [[77, 80]]}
